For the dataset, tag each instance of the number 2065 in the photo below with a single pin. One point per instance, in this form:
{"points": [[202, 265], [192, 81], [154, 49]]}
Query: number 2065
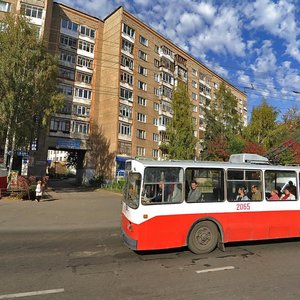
{"points": [[243, 206]]}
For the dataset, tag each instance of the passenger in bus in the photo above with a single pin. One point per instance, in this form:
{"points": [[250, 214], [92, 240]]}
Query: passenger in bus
{"points": [[242, 195], [287, 195], [292, 188], [177, 193], [256, 194], [274, 195], [161, 194], [194, 194]]}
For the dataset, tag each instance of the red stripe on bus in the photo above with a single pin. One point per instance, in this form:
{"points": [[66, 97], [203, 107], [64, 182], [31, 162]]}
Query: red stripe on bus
{"points": [[164, 232]]}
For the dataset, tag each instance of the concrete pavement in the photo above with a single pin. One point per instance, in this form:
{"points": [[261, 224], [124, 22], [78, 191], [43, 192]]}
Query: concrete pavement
{"points": [[66, 206]]}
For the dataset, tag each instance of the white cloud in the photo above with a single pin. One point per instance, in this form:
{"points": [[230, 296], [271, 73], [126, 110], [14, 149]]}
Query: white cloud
{"points": [[266, 60], [223, 35], [279, 19], [189, 24], [206, 10], [142, 2]]}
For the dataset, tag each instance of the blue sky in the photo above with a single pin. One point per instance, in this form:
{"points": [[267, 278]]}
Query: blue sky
{"points": [[253, 44]]}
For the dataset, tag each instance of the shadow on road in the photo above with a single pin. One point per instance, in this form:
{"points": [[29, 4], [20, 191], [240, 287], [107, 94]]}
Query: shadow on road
{"points": [[67, 185]]}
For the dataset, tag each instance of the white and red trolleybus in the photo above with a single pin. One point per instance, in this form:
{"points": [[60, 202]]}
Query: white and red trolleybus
{"points": [[158, 213]]}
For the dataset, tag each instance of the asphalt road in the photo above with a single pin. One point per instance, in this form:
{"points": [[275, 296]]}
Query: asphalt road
{"points": [[69, 247]]}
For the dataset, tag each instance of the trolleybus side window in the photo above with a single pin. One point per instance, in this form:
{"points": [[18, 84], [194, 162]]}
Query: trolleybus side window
{"points": [[162, 185], [244, 185], [210, 184], [281, 185]]}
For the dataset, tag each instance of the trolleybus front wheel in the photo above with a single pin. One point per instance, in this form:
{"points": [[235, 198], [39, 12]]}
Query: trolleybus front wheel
{"points": [[203, 238]]}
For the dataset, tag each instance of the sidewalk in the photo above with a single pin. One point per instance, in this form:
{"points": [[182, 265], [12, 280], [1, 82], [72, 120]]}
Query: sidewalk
{"points": [[67, 207]]}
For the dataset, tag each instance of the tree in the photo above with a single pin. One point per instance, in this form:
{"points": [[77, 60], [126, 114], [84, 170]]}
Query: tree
{"points": [[180, 130], [99, 155], [222, 120], [251, 147], [262, 125], [27, 82]]}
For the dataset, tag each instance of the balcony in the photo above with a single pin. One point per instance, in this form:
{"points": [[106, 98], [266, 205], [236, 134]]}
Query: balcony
{"points": [[180, 61]]}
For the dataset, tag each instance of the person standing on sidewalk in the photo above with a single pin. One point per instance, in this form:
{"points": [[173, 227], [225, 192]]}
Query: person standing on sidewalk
{"points": [[38, 191]]}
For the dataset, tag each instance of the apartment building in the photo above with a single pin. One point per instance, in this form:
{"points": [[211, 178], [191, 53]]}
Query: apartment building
{"points": [[117, 73], [136, 104]]}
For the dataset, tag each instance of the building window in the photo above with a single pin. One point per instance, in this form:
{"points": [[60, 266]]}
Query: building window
{"points": [[69, 25], [85, 62], [141, 117], [155, 106], [163, 120], [66, 74], [143, 55], [67, 57], [126, 94], [140, 151], [31, 11], [156, 77], [141, 101], [127, 62], [124, 128], [194, 72], [81, 110], [87, 31], [194, 83], [128, 30], [84, 78], [143, 41], [195, 108], [167, 51], [125, 111], [155, 137], [204, 89], [167, 78], [156, 49], [167, 92], [124, 148], [155, 121], [126, 77], [83, 93], [142, 70], [194, 96], [168, 64], [155, 153], [127, 46], [5, 6], [156, 63], [85, 46], [60, 125], [142, 85], [80, 127], [141, 134], [156, 92], [68, 41], [65, 89]]}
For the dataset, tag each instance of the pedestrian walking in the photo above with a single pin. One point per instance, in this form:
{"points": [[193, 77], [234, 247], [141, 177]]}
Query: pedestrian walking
{"points": [[38, 191]]}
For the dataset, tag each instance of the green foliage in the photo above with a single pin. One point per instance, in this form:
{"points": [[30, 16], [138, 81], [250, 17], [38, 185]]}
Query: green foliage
{"points": [[27, 80], [262, 126], [287, 157], [182, 143], [223, 123]]}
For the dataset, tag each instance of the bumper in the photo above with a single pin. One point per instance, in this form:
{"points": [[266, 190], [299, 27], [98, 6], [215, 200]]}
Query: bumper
{"points": [[131, 243]]}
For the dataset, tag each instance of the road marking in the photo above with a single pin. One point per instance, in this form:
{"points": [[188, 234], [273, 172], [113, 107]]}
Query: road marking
{"points": [[35, 293], [214, 270]]}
